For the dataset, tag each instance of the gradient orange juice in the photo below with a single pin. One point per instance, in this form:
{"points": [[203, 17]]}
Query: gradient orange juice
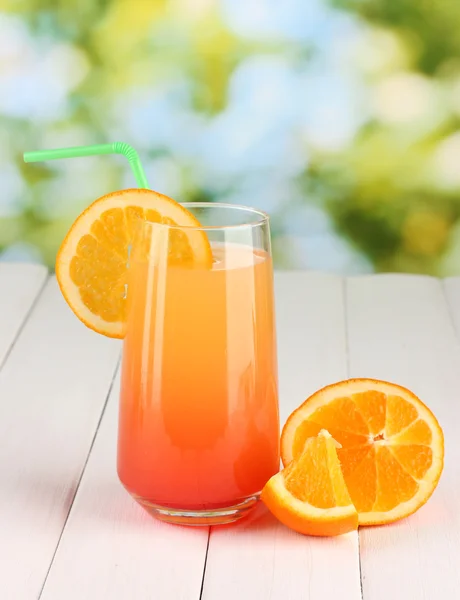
{"points": [[198, 423]]}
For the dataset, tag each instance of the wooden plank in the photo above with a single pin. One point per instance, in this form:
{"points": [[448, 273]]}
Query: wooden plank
{"points": [[261, 558], [112, 549], [20, 285], [400, 330], [52, 390]]}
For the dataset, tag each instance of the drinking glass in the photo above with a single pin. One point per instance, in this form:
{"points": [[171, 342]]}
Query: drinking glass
{"points": [[198, 421]]}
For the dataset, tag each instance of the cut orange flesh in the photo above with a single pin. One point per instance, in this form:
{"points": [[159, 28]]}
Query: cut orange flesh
{"points": [[392, 447], [91, 266], [310, 495]]}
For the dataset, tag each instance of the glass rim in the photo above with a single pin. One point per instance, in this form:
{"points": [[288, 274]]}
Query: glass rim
{"points": [[263, 217]]}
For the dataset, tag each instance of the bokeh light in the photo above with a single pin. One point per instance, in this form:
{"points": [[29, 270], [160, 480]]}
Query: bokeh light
{"points": [[340, 118]]}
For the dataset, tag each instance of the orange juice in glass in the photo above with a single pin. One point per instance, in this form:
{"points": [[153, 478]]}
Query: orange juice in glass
{"points": [[198, 423]]}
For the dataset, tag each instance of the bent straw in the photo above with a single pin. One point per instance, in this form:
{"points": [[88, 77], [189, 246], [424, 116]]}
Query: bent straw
{"points": [[79, 151]]}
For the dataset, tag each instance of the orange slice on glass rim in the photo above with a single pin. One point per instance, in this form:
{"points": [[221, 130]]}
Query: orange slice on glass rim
{"points": [[91, 265], [310, 495], [391, 445]]}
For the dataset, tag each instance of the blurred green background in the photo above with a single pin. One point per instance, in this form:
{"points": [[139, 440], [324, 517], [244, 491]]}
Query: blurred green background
{"points": [[341, 118]]}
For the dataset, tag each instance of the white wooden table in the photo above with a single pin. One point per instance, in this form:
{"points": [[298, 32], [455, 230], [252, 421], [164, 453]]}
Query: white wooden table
{"points": [[68, 530]]}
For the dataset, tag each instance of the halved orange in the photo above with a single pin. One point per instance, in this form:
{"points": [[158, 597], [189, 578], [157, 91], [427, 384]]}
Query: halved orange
{"points": [[310, 495], [91, 265], [392, 447]]}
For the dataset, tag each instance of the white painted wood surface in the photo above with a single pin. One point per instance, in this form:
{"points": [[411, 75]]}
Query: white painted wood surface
{"points": [[20, 286], [53, 388], [261, 558]]}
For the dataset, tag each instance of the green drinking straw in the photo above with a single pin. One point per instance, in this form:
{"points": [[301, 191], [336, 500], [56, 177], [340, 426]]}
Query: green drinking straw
{"points": [[78, 151]]}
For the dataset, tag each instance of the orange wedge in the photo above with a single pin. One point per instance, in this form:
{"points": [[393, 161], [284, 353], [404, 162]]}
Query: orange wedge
{"points": [[392, 447], [310, 495], [91, 265]]}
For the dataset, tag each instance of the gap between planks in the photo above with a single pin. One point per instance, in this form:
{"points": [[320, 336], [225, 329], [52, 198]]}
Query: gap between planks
{"points": [[111, 549], [32, 297], [77, 487], [405, 329], [347, 352]]}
